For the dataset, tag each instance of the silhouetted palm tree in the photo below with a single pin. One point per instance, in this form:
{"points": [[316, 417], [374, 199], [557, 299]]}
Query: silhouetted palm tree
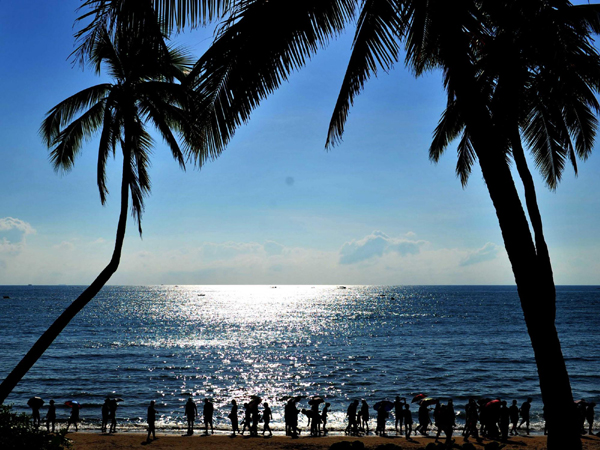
{"points": [[262, 41], [147, 89]]}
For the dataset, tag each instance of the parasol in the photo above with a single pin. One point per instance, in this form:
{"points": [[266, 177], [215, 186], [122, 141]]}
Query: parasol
{"points": [[35, 402], [316, 400], [492, 403], [73, 404], [427, 401], [418, 397], [385, 404]]}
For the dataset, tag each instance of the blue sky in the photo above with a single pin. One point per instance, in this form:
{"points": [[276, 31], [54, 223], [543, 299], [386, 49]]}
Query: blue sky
{"points": [[276, 207]]}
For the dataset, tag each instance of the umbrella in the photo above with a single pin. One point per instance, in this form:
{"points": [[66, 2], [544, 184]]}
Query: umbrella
{"points": [[492, 403], [385, 404], [73, 404], [255, 401], [428, 401], [316, 400], [418, 397], [119, 399], [35, 402]]}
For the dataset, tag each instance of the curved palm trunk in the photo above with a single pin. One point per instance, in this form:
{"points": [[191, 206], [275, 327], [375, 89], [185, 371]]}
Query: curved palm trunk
{"points": [[63, 320], [535, 284]]}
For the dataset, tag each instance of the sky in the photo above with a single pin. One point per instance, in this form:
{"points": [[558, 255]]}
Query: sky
{"points": [[275, 207]]}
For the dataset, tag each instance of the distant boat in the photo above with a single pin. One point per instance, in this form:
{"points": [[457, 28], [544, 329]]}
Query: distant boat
{"points": [[273, 287], [5, 296], [341, 287]]}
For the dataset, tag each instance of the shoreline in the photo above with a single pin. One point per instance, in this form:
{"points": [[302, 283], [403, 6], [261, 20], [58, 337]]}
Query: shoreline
{"points": [[168, 441]]}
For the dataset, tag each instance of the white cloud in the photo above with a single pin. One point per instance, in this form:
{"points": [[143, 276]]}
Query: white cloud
{"points": [[376, 245], [13, 234], [486, 253], [10, 223]]}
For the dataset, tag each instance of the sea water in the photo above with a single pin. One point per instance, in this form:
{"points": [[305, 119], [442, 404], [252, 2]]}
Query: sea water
{"points": [[167, 343]]}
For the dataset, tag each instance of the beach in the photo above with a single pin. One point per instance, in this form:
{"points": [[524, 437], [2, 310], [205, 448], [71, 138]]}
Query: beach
{"points": [[118, 441]]}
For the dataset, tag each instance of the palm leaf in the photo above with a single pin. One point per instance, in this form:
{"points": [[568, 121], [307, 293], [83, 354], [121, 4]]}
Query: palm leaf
{"points": [[375, 45]]}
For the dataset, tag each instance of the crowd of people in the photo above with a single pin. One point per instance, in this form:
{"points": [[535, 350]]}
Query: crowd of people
{"points": [[492, 418]]}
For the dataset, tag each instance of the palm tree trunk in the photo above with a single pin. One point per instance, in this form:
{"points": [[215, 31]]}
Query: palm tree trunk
{"points": [[536, 289], [63, 320]]}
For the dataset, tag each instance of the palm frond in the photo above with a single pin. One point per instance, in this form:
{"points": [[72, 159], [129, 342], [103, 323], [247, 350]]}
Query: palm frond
{"points": [[68, 142], [182, 13], [108, 142], [262, 43], [466, 158], [63, 113], [375, 46], [448, 129]]}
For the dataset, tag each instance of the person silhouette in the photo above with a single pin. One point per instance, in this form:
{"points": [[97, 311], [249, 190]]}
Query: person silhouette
{"points": [[74, 417], [35, 403], [151, 421], [51, 416], [364, 412], [246, 420], [208, 412], [382, 416], [525, 407], [352, 428], [408, 420], [589, 415], [504, 421], [191, 411], [513, 412], [324, 417], [105, 415], [399, 413], [267, 416], [112, 408], [233, 416]]}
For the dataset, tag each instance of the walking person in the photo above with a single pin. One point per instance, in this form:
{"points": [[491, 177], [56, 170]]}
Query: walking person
{"points": [[589, 415], [208, 412], [233, 416], [352, 428], [51, 416], [151, 417], [525, 407], [74, 417], [324, 417], [408, 420], [112, 408], [364, 412], [399, 413], [504, 421], [105, 415], [513, 412], [191, 411], [267, 416]]}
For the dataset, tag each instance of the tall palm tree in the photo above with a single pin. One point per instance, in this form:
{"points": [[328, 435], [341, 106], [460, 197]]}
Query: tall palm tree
{"points": [[147, 89], [262, 41]]}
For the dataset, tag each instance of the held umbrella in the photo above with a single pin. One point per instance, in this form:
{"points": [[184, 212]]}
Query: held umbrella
{"points": [[418, 397], [35, 402], [73, 404], [492, 403], [428, 401], [386, 405], [316, 400], [255, 401]]}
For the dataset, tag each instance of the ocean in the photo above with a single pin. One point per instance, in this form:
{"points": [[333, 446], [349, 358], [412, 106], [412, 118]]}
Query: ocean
{"points": [[167, 343]]}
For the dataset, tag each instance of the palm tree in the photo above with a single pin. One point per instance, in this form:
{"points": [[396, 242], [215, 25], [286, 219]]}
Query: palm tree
{"points": [[262, 41], [147, 89]]}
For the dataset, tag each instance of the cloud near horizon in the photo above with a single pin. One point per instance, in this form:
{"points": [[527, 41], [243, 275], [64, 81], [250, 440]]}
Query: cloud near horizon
{"points": [[376, 245], [13, 234], [488, 252]]}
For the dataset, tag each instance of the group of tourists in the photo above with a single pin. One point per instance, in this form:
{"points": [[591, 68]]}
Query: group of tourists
{"points": [[491, 418]]}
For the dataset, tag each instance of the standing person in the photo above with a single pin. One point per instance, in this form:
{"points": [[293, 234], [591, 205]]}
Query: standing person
{"points": [[513, 412], [35, 403], [399, 413], [364, 412], [208, 412], [504, 421], [471, 420], [267, 416], [191, 411], [589, 415], [112, 407], [151, 422], [74, 417], [315, 419], [352, 428], [424, 419], [254, 417], [525, 407], [51, 416], [233, 416], [408, 420], [324, 417], [382, 416], [105, 415]]}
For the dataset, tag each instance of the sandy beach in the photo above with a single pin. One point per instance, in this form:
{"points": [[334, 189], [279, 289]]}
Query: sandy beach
{"points": [[88, 441]]}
